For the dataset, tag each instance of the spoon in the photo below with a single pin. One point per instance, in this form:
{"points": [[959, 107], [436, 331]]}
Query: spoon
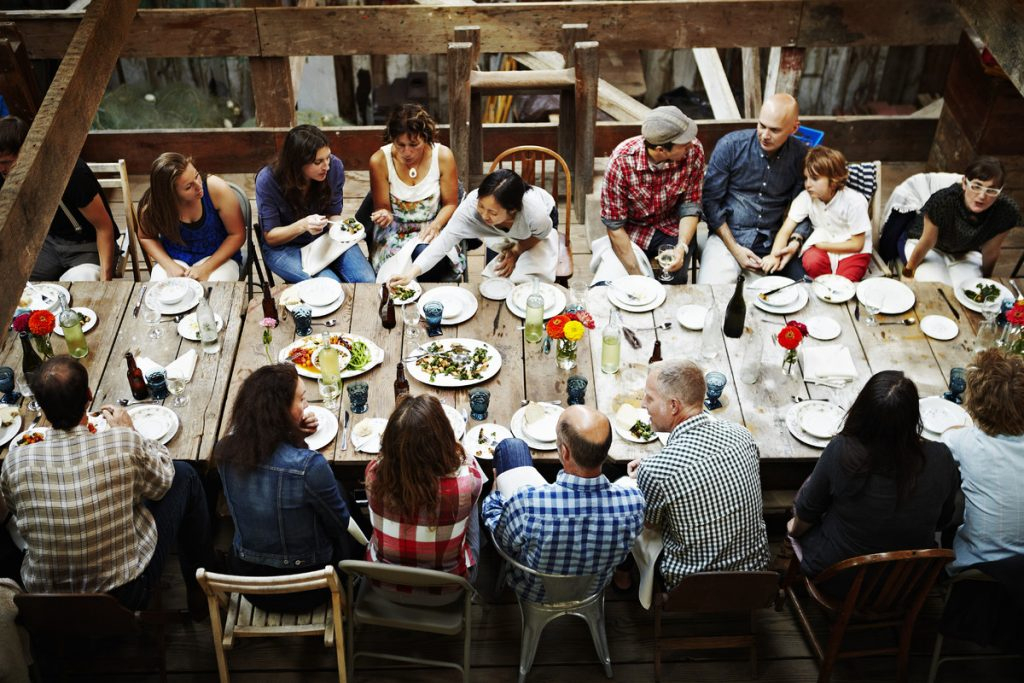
{"points": [[662, 326], [124, 402], [328, 323], [1016, 289], [905, 321], [557, 402]]}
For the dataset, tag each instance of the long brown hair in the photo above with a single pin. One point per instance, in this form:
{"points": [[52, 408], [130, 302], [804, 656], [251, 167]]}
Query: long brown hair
{"points": [[418, 448], [300, 148], [158, 208], [261, 418]]}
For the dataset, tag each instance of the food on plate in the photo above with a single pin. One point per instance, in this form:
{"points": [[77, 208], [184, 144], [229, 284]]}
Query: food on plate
{"points": [[85, 318], [485, 443], [533, 413], [26, 300], [8, 415], [642, 430], [30, 438], [983, 293], [402, 293], [351, 226], [303, 355], [365, 429], [458, 361], [631, 419]]}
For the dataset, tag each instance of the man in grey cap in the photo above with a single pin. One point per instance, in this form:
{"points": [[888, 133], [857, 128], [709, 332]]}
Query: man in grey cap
{"points": [[652, 191]]}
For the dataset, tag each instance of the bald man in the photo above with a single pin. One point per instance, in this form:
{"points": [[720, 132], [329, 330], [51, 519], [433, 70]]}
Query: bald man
{"points": [[752, 177], [581, 524]]}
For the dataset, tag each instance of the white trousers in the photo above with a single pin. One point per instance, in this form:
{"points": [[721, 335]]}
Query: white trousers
{"points": [[717, 265], [938, 266], [226, 272]]}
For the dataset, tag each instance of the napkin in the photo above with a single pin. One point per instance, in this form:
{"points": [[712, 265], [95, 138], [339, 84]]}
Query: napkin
{"points": [[646, 549], [510, 481], [402, 259], [830, 364], [182, 367], [322, 252], [540, 261], [606, 265]]}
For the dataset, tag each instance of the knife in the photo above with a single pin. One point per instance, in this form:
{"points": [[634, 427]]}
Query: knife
{"points": [[856, 310], [344, 433], [956, 313], [138, 305], [39, 416], [763, 296], [497, 316], [631, 337]]}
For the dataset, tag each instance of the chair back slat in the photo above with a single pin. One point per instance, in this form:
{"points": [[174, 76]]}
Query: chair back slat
{"points": [[75, 614], [723, 592]]}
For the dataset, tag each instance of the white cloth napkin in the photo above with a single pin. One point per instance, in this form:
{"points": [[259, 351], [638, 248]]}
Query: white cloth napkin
{"points": [[510, 481], [540, 261], [322, 252], [606, 265], [830, 364], [182, 367], [401, 260], [646, 549]]}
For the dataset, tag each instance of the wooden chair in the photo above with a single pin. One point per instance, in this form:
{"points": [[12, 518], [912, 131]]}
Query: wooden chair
{"points": [[886, 590], [243, 620], [533, 164], [65, 626], [714, 593], [114, 176]]}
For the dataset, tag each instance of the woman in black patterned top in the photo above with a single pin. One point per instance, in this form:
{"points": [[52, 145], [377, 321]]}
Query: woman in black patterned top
{"points": [[961, 228]]}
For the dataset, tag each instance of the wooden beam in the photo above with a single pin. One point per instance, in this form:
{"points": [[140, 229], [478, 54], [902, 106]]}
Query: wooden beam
{"points": [[29, 198], [17, 80], [273, 91], [785, 66], [716, 83], [460, 67], [585, 61], [752, 98], [999, 23]]}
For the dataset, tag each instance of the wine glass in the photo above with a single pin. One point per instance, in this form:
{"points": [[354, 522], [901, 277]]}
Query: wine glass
{"points": [[411, 318], [957, 385], [151, 314], [330, 389], [874, 306], [176, 385], [666, 256]]}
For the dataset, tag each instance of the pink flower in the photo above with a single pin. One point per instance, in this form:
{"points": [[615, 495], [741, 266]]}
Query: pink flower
{"points": [[20, 323], [269, 323]]}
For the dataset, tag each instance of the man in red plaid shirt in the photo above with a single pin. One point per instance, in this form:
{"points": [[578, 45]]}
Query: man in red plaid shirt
{"points": [[652, 191]]}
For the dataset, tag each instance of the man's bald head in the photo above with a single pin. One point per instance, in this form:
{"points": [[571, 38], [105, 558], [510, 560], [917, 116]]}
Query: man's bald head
{"points": [[779, 118], [586, 434]]}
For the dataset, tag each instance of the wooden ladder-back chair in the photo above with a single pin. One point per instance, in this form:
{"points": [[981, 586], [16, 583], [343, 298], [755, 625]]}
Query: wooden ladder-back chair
{"points": [[114, 176], [243, 620], [886, 590], [542, 167]]}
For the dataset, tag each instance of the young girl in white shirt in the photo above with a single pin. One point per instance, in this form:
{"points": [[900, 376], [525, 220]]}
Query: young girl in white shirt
{"points": [[841, 240]]}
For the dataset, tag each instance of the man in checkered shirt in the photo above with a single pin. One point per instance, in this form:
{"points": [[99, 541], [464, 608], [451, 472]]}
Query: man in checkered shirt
{"points": [[651, 194], [101, 511], [581, 524], [703, 489]]}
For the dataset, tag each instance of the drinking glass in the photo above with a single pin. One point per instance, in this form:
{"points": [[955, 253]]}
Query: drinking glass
{"points": [[357, 395], [151, 314], [329, 391], [874, 305], [303, 320], [176, 385], [957, 385], [579, 292], [479, 401], [157, 383], [576, 387], [666, 255], [716, 382], [433, 311], [411, 318]]}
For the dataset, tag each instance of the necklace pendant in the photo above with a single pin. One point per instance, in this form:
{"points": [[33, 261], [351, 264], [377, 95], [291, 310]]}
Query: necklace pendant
{"points": [[412, 172]]}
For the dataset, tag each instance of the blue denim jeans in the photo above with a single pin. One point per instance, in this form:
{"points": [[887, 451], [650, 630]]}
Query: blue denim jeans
{"points": [[511, 453], [286, 262]]}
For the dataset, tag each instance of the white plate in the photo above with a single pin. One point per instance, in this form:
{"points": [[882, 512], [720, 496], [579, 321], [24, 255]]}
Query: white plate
{"points": [[344, 236], [646, 290], [898, 297], [833, 289], [51, 290], [40, 430], [623, 430], [7, 433], [416, 291], [291, 300], [172, 292], [86, 326], [691, 316], [940, 327], [544, 429], [446, 381], [554, 299], [187, 303], [823, 328], [802, 297], [455, 420], [939, 415], [492, 432], [452, 298], [779, 300], [496, 289], [370, 442], [318, 291], [620, 300], [155, 422], [973, 283], [326, 429], [517, 430], [820, 419], [188, 327], [376, 355], [793, 424]]}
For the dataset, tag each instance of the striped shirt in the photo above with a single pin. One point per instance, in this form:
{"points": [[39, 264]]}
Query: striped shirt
{"points": [[79, 499], [703, 492], [576, 526]]}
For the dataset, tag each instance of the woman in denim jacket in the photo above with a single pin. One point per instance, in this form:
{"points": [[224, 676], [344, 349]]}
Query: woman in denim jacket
{"points": [[290, 514]]}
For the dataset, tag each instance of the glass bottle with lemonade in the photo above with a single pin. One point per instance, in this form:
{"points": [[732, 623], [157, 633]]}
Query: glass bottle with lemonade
{"points": [[611, 343]]}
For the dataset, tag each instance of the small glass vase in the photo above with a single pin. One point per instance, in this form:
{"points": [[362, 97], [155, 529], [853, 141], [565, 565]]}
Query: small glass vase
{"points": [[43, 346], [788, 362], [1012, 340], [565, 354]]}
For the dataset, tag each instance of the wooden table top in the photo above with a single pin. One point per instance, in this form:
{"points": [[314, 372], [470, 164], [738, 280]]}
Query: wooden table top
{"points": [[526, 372]]}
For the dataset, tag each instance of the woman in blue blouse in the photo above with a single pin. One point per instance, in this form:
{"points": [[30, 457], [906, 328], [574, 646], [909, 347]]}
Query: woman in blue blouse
{"points": [[296, 197], [189, 226]]}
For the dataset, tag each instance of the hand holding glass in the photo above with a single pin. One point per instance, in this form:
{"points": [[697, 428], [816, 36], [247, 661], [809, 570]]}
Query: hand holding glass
{"points": [[666, 257]]}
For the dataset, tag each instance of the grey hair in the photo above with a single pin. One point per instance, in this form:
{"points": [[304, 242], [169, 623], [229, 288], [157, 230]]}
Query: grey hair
{"points": [[682, 380]]}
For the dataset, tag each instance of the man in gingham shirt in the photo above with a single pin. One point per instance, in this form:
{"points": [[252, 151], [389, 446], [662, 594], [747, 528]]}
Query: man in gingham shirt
{"points": [[703, 489], [581, 524], [101, 511], [651, 194]]}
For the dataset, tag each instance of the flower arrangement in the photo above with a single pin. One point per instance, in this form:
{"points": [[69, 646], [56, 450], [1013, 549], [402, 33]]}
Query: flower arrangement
{"points": [[268, 324], [567, 329], [20, 323], [40, 325], [789, 338], [1014, 336]]}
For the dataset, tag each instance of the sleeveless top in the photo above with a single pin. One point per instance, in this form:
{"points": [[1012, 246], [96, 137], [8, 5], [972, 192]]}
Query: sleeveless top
{"points": [[202, 237], [413, 207]]}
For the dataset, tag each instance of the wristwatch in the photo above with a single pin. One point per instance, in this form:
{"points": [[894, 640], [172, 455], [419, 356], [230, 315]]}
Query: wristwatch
{"points": [[798, 238]]}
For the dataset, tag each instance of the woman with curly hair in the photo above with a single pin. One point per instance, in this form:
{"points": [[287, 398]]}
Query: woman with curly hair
{"points": [[290, 514], [423, 492]]}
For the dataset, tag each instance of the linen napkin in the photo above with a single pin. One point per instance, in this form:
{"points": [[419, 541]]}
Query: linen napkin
{"points": [[646, 549], [322, 252], [540, 261], [830, 364], [182, 367], [606, 265], [402, 259]]}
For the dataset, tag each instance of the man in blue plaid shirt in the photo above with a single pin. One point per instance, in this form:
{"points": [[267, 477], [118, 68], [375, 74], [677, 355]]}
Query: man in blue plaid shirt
{"points": [[581, 524]]}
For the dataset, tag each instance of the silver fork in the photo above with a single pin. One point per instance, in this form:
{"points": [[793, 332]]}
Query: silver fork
{"points": [[620, 290]]}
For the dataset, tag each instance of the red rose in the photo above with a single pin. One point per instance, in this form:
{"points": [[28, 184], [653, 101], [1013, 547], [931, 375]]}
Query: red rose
{"points": [[790, 337], [800, 326], [556, 326], [1015, 316], [20, 323], [40, 323]]}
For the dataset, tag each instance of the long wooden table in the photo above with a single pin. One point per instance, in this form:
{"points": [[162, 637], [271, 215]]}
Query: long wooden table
{"points": [[526, 373]]}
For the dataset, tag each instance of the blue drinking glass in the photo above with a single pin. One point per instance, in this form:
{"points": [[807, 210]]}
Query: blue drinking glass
{"points": [[303, 320], [433, 311], [479, 401], [957, 385], [576, 387], [358, 393], [716, 382], [157, 381]]}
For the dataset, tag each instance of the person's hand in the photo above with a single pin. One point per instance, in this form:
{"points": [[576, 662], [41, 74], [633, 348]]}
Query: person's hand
{"points": [[633, 466], [382, 218], [309, 423], [398, 281], [200, 272], [771, 263], [315, 224], [507, 262], [428, 233], [791, 527], [747, 259], [176, 270], [680, 259], [117, 416], [908, 272]]}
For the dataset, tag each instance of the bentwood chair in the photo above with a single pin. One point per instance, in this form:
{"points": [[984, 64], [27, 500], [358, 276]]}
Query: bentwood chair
{"points": [[541, 166], [885, 590], [243, 620], [113, 176]]}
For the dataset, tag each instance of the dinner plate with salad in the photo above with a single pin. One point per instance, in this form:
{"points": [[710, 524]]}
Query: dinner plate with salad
{"points": [[405, 294], [356, 354], [977, 293], [634, 424], [454, 362]]}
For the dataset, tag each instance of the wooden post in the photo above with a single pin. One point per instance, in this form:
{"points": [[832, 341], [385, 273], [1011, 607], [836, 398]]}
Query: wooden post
{"points": [[469, 34], [586, 118], [475, 162], [34, 187], [571, 34], [17, 82], [785, 65], [716, 83], [345, 84], [273, 90], [751, 57], [460, 63]]}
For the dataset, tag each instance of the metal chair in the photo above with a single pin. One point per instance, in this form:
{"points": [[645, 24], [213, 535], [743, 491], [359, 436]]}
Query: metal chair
{"points": [[243, 620], [114, 176], [375, 607], [532, 162], [886, 590], [714, 593], [581, 596], [249, 250]]}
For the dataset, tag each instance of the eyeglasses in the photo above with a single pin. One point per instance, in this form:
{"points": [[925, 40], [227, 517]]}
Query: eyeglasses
{"points": [[976, 186]]}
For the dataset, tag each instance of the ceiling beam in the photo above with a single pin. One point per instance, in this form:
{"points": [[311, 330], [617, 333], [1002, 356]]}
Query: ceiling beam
{"points": [[1000, 23]]}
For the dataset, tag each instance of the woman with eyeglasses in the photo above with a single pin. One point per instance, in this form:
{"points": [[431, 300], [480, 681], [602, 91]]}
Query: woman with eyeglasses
{"points": [[959, 231]]}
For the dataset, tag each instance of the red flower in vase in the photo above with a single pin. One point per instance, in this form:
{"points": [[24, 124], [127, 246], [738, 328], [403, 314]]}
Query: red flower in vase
{"points": [[41, 323], [790, 337], [1015, 316], [20, 323], [556, 326]]}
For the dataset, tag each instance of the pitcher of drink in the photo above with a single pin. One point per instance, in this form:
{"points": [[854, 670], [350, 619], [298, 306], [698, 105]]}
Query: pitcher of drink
{"points": [[71, 324], [535, 314]]}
